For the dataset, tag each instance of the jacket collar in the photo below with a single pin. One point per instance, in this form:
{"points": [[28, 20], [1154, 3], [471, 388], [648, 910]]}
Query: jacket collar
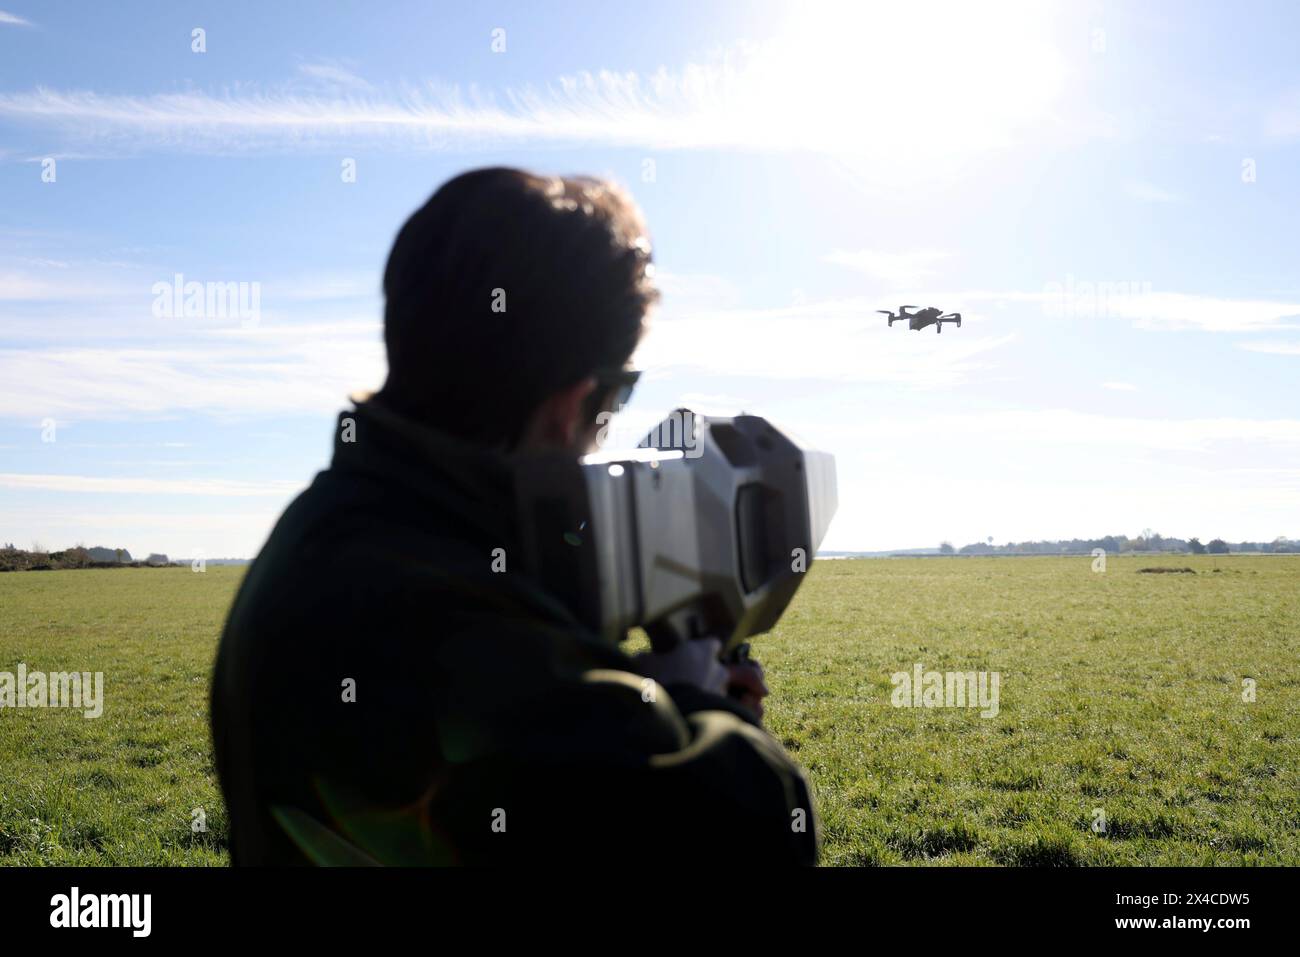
{"points": [[475, 483]]}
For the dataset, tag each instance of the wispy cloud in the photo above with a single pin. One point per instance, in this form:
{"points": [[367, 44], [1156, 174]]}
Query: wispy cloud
{"points": [[1209, 313], [896, 268], [1133, 301], [334, 76], [1066, 427], [832, 340], [104, 280], [1150, 193], [255, 372], [1272, 347], [801, 90], [13, 20], [1282, 121], [83, 342], [146, 486]]}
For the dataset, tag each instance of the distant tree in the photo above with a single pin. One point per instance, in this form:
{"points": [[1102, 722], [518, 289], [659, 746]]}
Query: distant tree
{"points": [[11, 559], [945, 548], [1195, 545], [1218, 547], [117, 554], [38, 557]]}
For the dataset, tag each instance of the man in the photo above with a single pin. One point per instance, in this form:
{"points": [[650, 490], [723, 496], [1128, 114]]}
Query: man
{"points": [[386, 690]]}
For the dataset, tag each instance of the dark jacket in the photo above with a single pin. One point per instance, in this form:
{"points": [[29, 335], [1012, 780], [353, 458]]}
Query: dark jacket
{"points": [[382, 694]]}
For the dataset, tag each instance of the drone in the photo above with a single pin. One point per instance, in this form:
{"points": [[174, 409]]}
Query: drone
{"points": [[930, 316]]}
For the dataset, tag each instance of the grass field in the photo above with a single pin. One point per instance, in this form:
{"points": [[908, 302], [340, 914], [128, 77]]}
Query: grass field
{"points": [[1120, 693]]}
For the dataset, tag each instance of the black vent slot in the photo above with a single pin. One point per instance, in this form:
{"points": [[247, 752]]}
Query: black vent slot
{"points": [[760, 535]]}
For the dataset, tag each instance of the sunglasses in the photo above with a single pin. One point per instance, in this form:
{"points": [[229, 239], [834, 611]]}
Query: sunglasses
{"points": [[611, 384]]}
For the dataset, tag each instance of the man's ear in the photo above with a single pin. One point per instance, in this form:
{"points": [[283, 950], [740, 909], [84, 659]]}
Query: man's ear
{"points": [[558, 420]]}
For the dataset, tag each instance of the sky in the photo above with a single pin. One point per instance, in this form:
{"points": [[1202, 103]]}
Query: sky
{"points": [[1105, 191]]}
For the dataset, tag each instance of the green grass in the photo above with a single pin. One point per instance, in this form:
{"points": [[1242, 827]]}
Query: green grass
{"points": [[1119, 691], [119, 789]]}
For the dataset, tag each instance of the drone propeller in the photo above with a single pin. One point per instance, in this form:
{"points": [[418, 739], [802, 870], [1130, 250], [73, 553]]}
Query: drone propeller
{"points": [[949, 317]]}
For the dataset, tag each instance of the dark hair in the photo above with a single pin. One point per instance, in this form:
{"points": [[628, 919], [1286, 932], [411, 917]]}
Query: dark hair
{"points": [[506, 287]]}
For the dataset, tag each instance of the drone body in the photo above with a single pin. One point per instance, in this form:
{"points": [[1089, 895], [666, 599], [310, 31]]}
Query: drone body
{"points": [[930, 316]]}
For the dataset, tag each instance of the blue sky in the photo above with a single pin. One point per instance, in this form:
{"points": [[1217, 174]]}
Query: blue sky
{"points": [[1105, 191]]}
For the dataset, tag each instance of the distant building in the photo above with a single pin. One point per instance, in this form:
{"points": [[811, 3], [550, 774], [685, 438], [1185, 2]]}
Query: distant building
{"points": [[101, 554]]}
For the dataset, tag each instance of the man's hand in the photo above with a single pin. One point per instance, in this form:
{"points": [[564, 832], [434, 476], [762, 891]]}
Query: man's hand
{"points": [[745, 683], [692, 662], [696, 663]]}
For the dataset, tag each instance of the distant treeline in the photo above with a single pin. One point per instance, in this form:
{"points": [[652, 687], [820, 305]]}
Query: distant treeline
{"points": [[38, 559], [1114, 544]]}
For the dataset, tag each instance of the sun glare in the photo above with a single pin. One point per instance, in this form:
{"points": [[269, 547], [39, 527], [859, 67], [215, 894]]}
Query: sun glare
{"points": [[870, 79]]}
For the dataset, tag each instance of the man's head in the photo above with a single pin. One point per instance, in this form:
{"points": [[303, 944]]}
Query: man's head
{"points": [[512, 302]]}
